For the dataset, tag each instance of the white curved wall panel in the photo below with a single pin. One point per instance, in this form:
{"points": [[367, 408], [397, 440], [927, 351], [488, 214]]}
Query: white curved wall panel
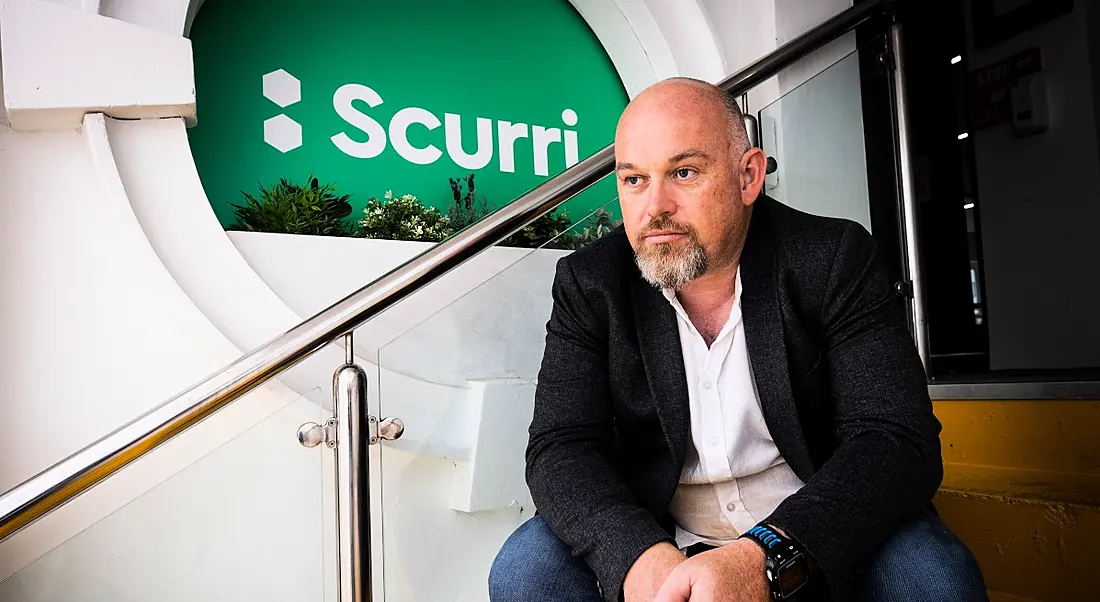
{"points": [[164, 190], [60, 63], [639, 62], [96, 332], [70, 249], [685, 28], [745, 30], [193, 7]]}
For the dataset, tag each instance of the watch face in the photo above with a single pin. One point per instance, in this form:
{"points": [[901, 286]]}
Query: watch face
{"points": [[792, 576]]}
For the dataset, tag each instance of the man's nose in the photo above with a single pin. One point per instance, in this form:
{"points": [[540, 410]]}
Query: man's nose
{"points": [[659, 201]]}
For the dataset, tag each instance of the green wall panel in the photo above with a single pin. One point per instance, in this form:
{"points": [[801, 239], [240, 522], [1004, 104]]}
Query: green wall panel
{"points": [[534, 62]]}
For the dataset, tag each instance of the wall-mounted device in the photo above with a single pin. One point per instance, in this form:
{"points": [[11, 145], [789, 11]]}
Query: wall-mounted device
{"points": [[1030, 109]]}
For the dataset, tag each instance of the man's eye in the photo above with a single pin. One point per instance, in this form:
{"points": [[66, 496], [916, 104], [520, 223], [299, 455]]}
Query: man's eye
{"points": [[632, 180], [684, 172]]}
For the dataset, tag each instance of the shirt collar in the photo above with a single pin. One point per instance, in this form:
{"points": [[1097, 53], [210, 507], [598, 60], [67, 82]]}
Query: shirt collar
{"points": [[735, 312]]}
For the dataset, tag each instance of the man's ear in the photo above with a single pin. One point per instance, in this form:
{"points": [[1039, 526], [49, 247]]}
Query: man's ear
{"points": [[754, 165]]}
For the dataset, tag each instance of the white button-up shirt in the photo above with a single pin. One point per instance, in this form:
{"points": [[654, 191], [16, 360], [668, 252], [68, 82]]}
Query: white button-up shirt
{"points": [[733, 475]]}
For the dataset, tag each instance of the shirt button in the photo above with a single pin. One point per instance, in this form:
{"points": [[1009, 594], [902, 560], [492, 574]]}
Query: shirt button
{"points": [[706, 385], [731, 506], [713, 441]]}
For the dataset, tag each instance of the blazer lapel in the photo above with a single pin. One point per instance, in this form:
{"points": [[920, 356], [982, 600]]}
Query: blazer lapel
{"points": [[659, 341], [766, 345]]}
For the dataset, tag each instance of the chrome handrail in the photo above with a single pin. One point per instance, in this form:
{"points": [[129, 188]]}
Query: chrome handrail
{"points": [[69, 478]]}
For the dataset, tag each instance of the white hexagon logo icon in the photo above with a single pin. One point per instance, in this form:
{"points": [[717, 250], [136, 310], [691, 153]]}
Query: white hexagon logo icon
{"points": [[282, 88], [283, 133]]}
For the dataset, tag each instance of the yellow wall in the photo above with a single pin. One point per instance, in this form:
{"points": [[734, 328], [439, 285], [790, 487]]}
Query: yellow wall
{"points": [[1022, 489]]}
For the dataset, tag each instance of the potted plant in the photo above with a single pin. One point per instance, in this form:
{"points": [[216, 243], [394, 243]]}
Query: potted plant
{"points": [[288, 208]]}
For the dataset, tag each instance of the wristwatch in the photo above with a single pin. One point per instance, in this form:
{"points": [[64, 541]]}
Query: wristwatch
{"points": [[786, 564]]}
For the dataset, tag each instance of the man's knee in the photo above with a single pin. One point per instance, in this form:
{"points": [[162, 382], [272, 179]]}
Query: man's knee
{"points": [[513, 571], [535, 565], [923, 560]]}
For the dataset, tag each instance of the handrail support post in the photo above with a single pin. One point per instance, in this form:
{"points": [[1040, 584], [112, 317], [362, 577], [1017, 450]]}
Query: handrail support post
{"points": [[352, 466]]}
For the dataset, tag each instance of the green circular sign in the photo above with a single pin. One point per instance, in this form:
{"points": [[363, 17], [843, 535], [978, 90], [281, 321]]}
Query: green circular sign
{"points": [[377, 96]]}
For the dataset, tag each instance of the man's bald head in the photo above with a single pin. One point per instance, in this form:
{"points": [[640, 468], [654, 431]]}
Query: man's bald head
{"points": [[686, 93]]}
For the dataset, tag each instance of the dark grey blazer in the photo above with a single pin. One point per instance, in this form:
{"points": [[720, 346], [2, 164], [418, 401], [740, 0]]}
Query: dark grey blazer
{"points": [[840, 382]]}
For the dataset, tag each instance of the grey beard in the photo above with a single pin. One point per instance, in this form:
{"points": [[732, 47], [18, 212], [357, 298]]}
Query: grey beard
{"points": [[665, 268]]}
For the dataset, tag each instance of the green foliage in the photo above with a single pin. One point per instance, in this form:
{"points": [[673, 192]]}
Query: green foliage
{"points": [[292, 209], [403, 218], [466, 208], [599, 224], [314, 209], [539, 232], [554, 232]]}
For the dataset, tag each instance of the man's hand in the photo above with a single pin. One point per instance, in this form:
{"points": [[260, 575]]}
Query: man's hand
{"points": [[732, 573], [650, 571]]}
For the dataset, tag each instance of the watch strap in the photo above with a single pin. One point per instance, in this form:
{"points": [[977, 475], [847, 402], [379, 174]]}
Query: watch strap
{"points": [[779, 554]]}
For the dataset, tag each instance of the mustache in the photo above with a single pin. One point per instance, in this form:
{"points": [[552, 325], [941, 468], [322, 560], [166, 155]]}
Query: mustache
{"points": [[665, 223]]}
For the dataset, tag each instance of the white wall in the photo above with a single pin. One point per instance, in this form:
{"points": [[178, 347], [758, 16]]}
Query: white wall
{"points": [[433, 553], [74, 347], [243, 523], [61, 62], [746, 31], [96, 332], [794, 18], [1039, 207], [483, 320], [815, 132], [822, 158]]}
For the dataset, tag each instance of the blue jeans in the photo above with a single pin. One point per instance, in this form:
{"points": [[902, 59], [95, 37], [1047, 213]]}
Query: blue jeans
{"points": [[921, 561]]}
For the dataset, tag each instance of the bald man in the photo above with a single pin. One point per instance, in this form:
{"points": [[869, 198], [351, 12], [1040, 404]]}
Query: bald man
{"points": [[730, 406]]}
